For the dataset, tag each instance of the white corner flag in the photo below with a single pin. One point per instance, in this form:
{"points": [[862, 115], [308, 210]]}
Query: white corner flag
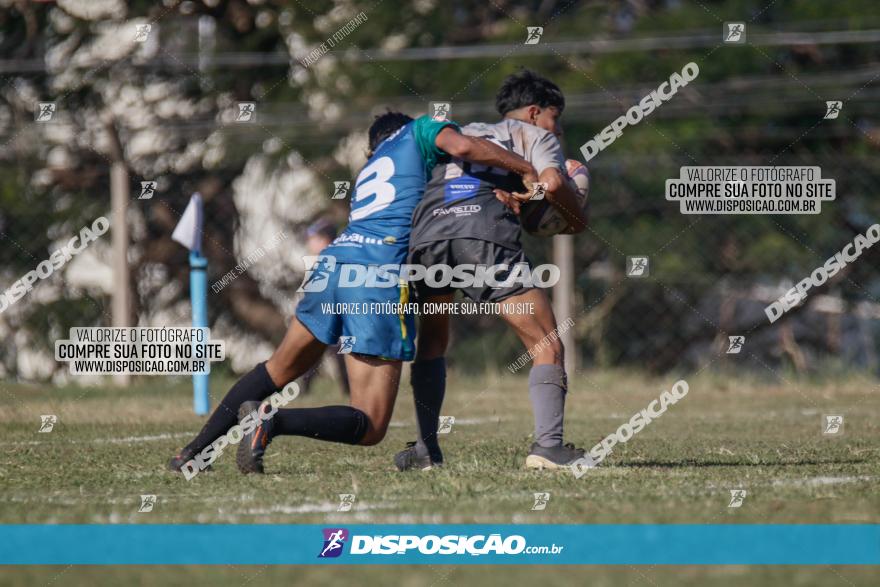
{"points": [[188, 231]]}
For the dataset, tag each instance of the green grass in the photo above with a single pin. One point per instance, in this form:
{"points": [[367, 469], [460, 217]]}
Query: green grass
{"points": [[729, 432], [726, 433], [442, 576]]}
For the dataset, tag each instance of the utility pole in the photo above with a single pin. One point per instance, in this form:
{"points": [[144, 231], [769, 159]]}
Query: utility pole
{"points": [[563, 296], [119, 196]]}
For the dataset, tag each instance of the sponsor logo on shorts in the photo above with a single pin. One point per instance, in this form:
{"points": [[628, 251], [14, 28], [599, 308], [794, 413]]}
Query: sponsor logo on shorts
{"points": [[459, 211]]}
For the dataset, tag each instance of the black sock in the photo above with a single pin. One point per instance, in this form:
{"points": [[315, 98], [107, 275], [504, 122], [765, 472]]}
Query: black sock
{"points": [[428, 379], [343, 424], [256, 385]]}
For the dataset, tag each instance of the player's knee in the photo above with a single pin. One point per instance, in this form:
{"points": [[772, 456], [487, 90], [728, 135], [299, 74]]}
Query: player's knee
{"points": [[280, 371], [551, 351], [374, 435]]}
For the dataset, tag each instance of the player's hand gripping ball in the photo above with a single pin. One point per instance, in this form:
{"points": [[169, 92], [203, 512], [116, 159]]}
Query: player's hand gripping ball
{"points": [[541, 218]]}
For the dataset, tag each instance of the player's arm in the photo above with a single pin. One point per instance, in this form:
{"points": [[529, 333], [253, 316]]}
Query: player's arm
{"points": [[558, 192], [561, 195], [483, 152], [546, 154]]}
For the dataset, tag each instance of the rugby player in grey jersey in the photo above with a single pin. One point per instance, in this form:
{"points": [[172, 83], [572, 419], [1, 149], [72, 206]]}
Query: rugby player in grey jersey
{"points": [[467, 216]]}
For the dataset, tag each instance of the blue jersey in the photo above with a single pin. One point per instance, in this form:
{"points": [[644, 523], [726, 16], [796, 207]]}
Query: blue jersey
{"points": [[386, 194]]}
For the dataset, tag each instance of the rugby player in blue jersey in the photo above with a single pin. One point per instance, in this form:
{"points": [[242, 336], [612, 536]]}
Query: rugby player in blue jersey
{"points": [[403, 154]]}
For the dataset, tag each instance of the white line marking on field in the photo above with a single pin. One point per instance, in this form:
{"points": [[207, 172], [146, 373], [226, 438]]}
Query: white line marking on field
{"points": [[458, 422], [163, 436], [822, 481], [124, 440], [477, 421], [308, 508]]}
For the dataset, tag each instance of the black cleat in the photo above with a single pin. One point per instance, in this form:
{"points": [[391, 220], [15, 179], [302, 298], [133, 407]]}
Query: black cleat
{"points": [[415, 456], [179, 460], [562, 456], [249, 456]]}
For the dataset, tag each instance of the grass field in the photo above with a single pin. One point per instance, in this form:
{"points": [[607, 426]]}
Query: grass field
{"points": [[443, 576], [762, 435]]}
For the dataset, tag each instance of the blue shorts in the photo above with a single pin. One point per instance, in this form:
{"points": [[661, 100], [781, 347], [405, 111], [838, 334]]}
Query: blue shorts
{"points": [[335, 312]]}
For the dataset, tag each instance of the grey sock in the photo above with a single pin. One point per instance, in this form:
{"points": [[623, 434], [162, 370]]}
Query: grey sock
{"points": [[428, 379], [547, 388]]}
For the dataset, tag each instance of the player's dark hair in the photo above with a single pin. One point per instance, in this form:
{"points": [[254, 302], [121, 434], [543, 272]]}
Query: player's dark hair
{"points": [[323, 227], [527, 88], [384, 126]]}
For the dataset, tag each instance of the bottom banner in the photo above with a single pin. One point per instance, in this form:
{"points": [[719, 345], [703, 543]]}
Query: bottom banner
{"points": [[718, 544]]}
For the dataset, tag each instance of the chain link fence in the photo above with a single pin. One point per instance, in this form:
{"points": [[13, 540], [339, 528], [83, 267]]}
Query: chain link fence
{"points": [[709, 277]]}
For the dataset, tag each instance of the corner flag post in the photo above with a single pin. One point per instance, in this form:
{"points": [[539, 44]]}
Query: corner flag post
{"points": [[188, 232], [198, 292]]}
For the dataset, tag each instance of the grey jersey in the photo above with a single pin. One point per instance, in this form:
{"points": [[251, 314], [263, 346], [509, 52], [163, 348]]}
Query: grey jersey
{"points": [[459, 200]]}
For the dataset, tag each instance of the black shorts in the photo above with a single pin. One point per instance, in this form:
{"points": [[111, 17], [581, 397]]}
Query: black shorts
{"points": [[468, 251]]}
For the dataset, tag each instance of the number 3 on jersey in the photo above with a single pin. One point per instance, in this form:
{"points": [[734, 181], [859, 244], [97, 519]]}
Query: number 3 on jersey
{"points": [[373, 183]]}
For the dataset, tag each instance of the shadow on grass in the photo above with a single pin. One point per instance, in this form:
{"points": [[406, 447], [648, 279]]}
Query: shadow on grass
{"points": [[711, 463]]}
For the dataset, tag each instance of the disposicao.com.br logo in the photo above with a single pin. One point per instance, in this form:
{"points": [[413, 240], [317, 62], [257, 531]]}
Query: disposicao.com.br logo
{"points": [[500, 275], [431, 544]]}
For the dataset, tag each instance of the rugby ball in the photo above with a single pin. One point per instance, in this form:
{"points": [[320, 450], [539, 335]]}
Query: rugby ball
{"points": [[540, 218]]}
